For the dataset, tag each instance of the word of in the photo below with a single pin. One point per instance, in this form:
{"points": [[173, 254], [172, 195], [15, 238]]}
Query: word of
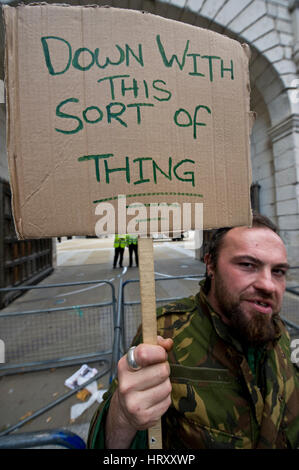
{"points": [[155, 218], [295, 352], [83, 58], [147, 169]]}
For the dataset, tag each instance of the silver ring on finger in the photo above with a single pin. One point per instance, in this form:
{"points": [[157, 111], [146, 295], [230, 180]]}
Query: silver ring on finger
{"points": [[131, 359]]}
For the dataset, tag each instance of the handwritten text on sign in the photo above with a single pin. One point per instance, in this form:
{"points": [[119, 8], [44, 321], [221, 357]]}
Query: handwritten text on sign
{"points": [[84, 59], [118, 86]]}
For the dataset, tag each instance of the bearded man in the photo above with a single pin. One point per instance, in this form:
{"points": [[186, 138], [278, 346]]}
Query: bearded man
{"points": [[221, 374]]}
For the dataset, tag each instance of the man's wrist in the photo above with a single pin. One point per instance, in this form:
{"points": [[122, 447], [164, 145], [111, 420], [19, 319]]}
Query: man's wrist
{"points": [[119, 432]]}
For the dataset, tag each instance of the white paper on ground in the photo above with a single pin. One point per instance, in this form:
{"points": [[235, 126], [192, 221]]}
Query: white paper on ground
{"points": [[82, 375]]}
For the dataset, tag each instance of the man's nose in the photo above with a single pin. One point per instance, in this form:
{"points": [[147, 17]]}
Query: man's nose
{"points": [[264, 281]]}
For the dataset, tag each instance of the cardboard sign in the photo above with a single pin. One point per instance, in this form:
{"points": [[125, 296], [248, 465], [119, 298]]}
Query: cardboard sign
{"points": [[113, 108]]}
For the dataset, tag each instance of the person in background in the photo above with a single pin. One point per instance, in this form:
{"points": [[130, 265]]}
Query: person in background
{"points": [[119, 248], [132, 243]]}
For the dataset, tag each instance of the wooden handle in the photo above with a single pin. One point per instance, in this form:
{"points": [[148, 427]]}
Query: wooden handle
{"points": [[148, 311]]}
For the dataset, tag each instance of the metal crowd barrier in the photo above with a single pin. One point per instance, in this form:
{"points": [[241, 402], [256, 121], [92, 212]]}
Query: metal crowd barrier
{"points": [[290, 310], [56, 437], [53, 337]]}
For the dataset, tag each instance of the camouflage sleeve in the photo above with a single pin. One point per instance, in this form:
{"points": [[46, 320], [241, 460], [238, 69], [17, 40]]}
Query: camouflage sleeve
{"points": [[96, 433]]}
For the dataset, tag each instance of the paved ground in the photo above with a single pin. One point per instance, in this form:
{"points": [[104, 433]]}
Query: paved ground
{"points": [[80, 260]]}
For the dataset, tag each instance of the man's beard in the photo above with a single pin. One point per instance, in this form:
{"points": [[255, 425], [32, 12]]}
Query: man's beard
{"points": [[257, 330]]}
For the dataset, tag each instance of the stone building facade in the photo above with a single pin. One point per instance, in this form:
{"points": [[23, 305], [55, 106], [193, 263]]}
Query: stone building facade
{"points": [[271, 28]]}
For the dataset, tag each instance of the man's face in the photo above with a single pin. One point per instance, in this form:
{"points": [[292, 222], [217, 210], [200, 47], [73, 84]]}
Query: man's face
{"points": [[248, 282]]}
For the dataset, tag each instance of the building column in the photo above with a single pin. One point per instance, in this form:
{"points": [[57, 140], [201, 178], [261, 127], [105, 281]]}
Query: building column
{"points": [[285, 141], [294, 10]]}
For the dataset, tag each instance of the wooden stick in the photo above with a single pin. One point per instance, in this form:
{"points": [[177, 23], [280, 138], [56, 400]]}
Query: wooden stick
{"points": [[148, 311]]}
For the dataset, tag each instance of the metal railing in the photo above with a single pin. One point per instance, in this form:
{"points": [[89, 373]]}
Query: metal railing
{"points": [[293, 280], [53, 337], [290, 309], [56, 437]]}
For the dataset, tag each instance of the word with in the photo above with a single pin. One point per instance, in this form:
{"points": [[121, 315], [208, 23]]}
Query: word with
{"points": [[295, 93], [295, 352], [156, 218], [114, 112], [170, 173], [83, 58], [2, 351]]}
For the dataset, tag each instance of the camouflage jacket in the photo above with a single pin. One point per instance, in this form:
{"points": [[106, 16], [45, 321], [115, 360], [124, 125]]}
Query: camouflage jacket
{"points": [[218, 399]]}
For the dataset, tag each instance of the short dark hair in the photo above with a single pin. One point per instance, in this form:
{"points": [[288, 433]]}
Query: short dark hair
{"points": [[258, 220]]}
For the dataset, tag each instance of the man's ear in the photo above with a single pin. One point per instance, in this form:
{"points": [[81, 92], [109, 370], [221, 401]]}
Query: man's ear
{"points": [[209, 264]]}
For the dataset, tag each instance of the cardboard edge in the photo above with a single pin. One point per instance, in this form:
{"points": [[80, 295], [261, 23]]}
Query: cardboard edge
{"points": [[251, 117], [9, 17], [122, 10]]}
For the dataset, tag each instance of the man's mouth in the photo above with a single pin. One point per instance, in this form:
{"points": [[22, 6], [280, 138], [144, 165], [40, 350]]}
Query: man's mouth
{"points": [[261, 306]]}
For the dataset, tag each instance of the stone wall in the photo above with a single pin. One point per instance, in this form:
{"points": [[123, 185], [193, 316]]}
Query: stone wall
{"points": [[263, 171]]}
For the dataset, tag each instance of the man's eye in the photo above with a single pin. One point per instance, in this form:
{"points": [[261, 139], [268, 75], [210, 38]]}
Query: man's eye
{"points": [[279, 272], [247, 265]]}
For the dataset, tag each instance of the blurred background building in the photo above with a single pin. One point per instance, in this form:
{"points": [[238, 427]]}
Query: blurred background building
{"points": [[271, 28]]}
